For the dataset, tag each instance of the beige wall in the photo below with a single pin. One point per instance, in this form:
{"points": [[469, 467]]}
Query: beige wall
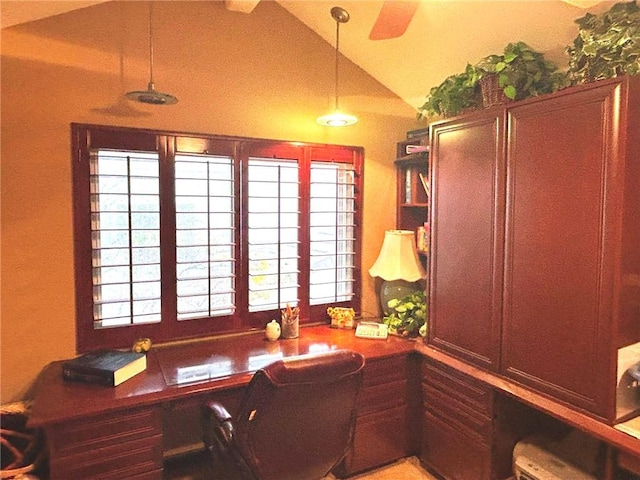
{"points": [[259, 75]]}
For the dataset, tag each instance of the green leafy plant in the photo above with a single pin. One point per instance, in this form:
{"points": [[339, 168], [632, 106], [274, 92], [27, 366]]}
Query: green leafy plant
{"points": [[607, 45], [408, 315], [522, 72], [456, 93]]}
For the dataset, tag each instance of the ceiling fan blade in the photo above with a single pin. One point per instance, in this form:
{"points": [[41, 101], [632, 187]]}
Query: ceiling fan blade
{"points": [[393, 19]]}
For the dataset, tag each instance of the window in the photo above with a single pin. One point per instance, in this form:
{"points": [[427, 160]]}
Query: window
{"points": [[180, 235]]}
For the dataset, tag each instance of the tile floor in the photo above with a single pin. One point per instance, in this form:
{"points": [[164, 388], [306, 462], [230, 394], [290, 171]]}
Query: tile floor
{"points": [[405, 469], [198, 467]]}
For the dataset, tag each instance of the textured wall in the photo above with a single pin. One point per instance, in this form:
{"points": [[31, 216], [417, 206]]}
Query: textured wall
{"points": [[259, 75]]}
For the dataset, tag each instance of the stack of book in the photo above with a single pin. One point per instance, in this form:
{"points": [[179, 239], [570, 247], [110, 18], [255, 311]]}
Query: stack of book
{"points": [[104, 367]]}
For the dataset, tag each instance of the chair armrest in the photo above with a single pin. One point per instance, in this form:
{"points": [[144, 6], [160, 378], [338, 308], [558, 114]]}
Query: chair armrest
{"points": [[219, 422], [218, 412]]}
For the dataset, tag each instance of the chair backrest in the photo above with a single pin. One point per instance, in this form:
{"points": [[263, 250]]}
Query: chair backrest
{"points": [[297, 418]]}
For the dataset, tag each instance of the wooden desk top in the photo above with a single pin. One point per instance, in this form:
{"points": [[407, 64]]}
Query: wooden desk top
{"points": [[177, 370], [197, 367]]}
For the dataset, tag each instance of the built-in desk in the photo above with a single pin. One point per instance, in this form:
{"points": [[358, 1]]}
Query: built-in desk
{"points": [[124, 432], [119, 432]]}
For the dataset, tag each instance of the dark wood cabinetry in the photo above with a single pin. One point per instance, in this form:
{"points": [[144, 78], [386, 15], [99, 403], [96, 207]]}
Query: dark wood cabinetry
{"points": [[536, 239], [386, 423], [456, 423], [111, 446], [467, 185]]}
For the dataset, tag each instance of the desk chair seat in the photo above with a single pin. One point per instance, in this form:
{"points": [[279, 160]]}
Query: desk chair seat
{"points": [[295, 421]]}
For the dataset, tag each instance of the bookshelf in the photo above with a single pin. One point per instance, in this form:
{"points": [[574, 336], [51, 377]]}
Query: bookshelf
{"points": [[412, 180]]}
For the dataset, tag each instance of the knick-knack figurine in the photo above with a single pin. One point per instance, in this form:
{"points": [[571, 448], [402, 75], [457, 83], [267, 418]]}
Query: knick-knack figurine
{"points": [[272, 332]]}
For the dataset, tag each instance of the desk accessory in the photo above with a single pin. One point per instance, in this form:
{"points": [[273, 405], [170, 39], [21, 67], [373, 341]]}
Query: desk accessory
{"points": [[141, 345], [104, 367], [372, 330], [341, 317], [272, 331], [290, 322]]}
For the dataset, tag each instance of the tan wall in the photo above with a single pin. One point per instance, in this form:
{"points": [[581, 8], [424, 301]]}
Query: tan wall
{"points": [[259, 75]]}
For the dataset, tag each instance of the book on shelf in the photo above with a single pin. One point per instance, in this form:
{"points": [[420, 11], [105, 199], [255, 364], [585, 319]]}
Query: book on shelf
{"points": [[425, 184], [104, 367], [422, 238]]}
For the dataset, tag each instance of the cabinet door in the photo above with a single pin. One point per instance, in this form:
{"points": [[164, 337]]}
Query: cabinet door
{"points": [[467, 177], [562, 239]]}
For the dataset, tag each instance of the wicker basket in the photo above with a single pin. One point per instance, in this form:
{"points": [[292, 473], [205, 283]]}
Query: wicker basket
{"points": [[492, 93], [21, 446]]}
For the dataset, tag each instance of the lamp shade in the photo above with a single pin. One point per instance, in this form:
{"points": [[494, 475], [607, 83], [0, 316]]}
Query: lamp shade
{"points": [[398, 259]]}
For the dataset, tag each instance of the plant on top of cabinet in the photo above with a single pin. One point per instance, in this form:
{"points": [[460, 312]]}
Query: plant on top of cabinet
{"points": [[607, 45], [521, 72], [456, 93]]}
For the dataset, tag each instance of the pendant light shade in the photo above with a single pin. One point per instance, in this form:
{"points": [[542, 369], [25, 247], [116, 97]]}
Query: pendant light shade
{"points": [[151, 95], [337, 118]]}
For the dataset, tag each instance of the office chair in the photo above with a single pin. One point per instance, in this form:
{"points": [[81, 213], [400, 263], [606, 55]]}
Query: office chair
{"points": [[295, 422]]}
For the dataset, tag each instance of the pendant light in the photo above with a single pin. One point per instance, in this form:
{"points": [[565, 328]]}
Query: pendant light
{"points": [[151, 95], [337, 118]]}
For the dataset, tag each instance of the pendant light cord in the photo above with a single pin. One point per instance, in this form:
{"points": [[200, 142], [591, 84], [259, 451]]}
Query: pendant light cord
{"points": [[337, 50], [151, 42]]}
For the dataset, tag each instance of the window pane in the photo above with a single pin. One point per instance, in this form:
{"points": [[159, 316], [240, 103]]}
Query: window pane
{"points": [[125, 223], [205, 233], [331, 233], [273, 235]]}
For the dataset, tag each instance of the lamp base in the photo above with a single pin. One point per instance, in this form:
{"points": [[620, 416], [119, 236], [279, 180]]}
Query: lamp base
{"points": [[394, 289]]}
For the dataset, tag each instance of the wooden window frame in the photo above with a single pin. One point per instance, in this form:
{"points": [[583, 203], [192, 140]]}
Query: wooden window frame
{"points": [[167, 144]]}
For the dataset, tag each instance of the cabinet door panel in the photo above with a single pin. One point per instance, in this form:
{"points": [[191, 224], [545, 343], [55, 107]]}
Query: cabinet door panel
{"points": [[379, 438], [454, 453], [468, 189], [560, 244]]}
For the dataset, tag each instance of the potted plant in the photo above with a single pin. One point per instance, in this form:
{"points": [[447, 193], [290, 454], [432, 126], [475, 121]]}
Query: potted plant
{"points": [[456, 93], [518, 73], [607, 45], [408, 315]]}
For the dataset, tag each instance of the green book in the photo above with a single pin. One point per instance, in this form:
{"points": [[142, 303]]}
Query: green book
{"points": [[105, 367]]}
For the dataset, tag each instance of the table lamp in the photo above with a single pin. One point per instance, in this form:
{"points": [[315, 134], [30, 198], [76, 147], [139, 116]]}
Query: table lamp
{"points": [[398, 266]]}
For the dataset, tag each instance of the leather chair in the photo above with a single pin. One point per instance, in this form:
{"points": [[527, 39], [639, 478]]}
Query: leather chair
{"points": [[296, 420]]}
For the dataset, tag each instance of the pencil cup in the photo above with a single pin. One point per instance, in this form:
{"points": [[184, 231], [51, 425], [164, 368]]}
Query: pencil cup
{"points": [[290, 325]]}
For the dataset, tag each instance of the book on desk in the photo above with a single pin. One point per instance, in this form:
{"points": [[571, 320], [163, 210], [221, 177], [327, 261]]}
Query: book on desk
{"points": [[104, 367]]}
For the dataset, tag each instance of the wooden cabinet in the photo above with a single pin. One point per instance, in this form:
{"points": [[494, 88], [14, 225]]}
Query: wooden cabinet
{"points": [[467, 184], [385, 426], [469, 429], [456, 424], [536, 239], [117, 445]]}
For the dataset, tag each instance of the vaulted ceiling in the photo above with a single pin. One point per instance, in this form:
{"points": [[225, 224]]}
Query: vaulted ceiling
{"points": [[441, 38]]}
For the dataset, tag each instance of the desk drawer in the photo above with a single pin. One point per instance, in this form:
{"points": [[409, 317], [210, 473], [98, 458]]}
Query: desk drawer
{"points": [[379, 438], [452, 453], [381, 397], [136, 459], [103, 431], [385, 370], [458, 415], [458, 386]]}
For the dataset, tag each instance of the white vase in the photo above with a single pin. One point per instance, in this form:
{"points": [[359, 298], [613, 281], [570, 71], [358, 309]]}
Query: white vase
{"points": [[272, 332]]}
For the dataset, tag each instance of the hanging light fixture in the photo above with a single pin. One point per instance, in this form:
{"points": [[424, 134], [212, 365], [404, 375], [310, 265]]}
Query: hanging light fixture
{"points": [[337, 118], [151, 95]]}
